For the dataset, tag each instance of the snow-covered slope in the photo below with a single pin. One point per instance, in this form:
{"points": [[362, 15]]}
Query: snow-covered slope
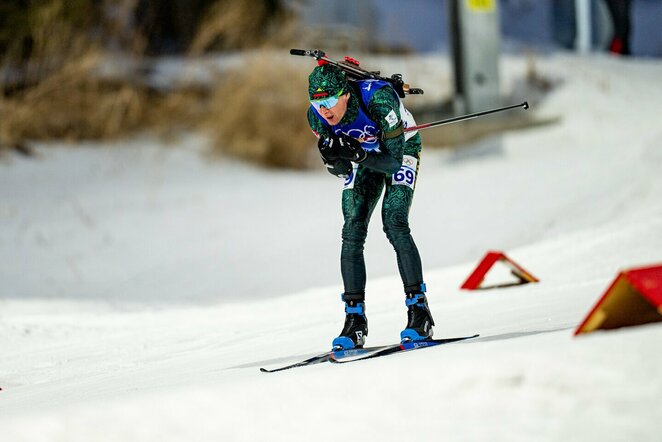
{"points": [[141, 287]]}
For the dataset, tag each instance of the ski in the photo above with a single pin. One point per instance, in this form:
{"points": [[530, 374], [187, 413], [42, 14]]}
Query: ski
{"points": [[396, 348], [359, 354], [325, 357]]}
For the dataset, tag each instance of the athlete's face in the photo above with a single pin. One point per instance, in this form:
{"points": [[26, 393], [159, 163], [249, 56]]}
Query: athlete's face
{"points": [[334, 114]]}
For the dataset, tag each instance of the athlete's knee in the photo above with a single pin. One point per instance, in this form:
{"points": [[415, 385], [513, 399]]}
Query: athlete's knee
{"points": [[396, 226], [354, 232]]}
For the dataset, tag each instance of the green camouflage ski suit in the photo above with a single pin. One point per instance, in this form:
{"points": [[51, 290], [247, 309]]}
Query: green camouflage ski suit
{"points": [[363, 188]]}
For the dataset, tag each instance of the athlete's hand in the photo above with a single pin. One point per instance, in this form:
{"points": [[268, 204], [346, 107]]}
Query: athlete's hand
{"points": [[328, 147], [350, 149]]}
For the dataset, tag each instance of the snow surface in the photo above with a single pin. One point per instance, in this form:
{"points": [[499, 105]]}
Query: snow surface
{"points": [[142, 286]]}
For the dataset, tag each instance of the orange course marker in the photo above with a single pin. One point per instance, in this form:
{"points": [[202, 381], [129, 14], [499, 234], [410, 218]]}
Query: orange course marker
{"points": [[476, 278], [633, 298]]}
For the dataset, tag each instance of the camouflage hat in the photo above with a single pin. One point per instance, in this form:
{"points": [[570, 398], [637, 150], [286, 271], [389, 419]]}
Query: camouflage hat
{"points": [[326, 80]]}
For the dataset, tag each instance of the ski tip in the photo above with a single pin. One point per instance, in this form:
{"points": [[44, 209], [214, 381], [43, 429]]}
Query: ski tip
{"points": [[264, 370]]}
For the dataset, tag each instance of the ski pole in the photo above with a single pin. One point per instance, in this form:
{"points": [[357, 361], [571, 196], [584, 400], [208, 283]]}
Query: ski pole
{"points": [[524, 105]]}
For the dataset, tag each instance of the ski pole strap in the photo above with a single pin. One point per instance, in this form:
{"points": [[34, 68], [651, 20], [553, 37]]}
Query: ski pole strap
{"points": [[399, 130]]}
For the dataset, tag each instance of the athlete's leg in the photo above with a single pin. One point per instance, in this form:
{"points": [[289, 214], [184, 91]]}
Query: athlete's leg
{"points": [[358, 203], [395, 216]]}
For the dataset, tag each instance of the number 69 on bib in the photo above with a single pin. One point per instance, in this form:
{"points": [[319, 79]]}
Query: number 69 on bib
{"points": [[406, 176]]}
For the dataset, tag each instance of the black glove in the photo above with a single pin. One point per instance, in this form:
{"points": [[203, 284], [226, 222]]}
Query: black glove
{"points": [[328, 147], [350, 149]]}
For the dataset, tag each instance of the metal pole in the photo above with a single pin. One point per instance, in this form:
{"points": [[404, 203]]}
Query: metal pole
{"points": [[583, 20], [524, 105]]}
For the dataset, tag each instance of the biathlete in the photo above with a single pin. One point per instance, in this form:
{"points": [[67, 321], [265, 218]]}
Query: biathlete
{"points": [[360, 128]]}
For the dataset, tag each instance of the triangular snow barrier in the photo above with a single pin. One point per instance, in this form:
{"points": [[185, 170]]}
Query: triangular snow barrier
{"points": [[475, 280], [634, 298]]}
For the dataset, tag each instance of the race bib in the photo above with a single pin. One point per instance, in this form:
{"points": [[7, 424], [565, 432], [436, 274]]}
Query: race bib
{"points": [[349, 181], [406, 176]]}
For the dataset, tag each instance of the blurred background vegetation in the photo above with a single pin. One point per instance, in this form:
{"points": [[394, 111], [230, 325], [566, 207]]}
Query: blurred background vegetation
{"points": [[83, 70]]}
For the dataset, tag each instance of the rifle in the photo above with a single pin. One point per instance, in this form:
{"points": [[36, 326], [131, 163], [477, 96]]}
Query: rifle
{"points": [[352, 68]]}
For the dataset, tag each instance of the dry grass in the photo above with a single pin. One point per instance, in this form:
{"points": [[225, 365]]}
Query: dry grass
{"points": [[69, 104], [259, 114], [240, 24], [56, 95], [60, 96], [75, 104]]}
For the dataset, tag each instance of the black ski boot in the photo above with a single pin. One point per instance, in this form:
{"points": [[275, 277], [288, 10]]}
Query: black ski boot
{"points": [[355, 330], [419, 318]]}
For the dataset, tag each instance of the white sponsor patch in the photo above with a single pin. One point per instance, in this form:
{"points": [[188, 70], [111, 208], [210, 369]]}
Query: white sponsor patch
{"points": [[349, 181], [406, 176], [391, 118]]}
